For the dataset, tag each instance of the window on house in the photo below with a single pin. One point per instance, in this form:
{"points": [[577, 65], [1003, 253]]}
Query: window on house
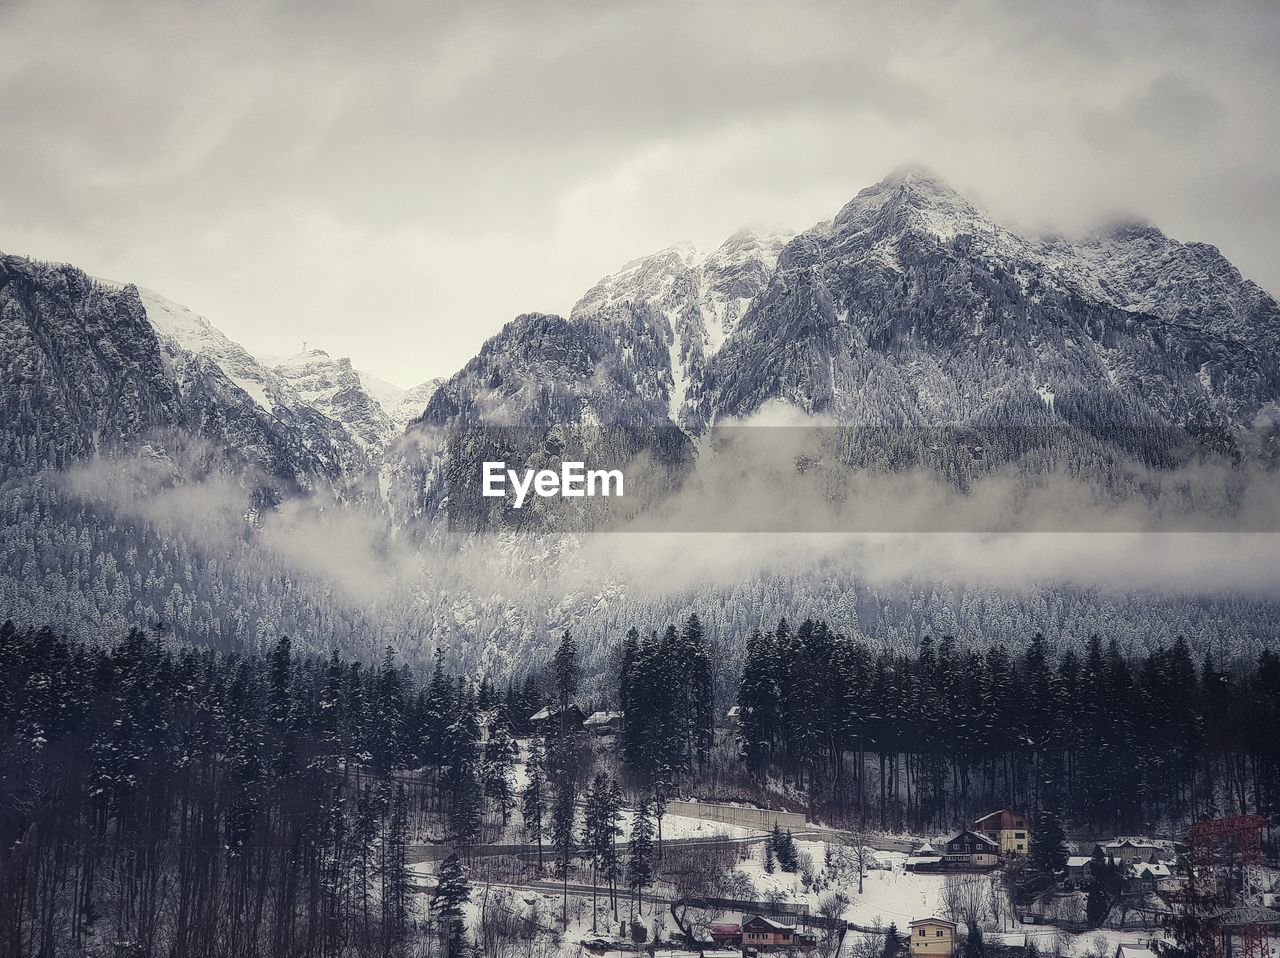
{"points": [[938, 933], [921, 932], [1019, 834]]}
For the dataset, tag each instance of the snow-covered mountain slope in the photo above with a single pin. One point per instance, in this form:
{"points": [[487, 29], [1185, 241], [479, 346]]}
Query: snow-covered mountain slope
{"points": [[412, 403], [102, 365], [693, 300], [277, 426], [912, 307], [334, 387], [81, 370]]}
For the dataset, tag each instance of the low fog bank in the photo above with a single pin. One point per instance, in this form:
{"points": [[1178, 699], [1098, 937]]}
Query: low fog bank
{"points": [[496, 602]]}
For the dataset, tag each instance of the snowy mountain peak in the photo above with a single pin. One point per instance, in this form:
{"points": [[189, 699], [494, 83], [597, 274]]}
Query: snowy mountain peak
{"points": [[694, 301], [303, 357], [912, 200], [181, 329], [749, 245], [335, 388]]}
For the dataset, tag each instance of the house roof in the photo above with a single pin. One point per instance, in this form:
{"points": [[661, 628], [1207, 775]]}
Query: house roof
{"points": [[600, 718], [934, 920], [1005, 818], [976, 835], [551, 711], [1134, 951], [1160, 870], [775, 925], [1130, 843], [725, 928]]}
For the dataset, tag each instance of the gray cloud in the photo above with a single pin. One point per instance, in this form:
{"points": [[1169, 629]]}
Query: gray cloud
{"points": [[1171, 108], [394, 181]]}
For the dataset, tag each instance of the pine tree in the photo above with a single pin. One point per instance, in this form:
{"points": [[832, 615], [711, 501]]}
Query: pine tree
{"points": [[565, 670], [973, 944], [395, 873], [563, 812], [611, 861], [1103, 886], [784, 848], [499, 760], [533, 803], [596, 833], [894, 943], [452, 892], [1048, 851], [640, 862], [466, 815]]}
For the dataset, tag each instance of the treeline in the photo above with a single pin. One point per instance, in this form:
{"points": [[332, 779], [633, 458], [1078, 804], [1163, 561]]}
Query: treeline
{"points": [[665, 689], [927, 740], [165, 800]]}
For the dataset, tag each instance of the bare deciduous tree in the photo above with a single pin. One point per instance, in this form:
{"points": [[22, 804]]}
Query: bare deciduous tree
{"points": [[964, 899]]}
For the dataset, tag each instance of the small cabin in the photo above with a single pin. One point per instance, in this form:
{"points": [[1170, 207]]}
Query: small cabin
{"points": [[603, 723], [546, 721], [725, 933]]}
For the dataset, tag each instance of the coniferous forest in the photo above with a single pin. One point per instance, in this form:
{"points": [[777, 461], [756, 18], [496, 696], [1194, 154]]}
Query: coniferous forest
{"points": [[168, 800], [1108, 739], [158, 799]]}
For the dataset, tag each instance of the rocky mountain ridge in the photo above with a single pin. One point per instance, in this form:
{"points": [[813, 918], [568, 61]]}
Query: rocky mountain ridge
{"points": [[909, 309]]}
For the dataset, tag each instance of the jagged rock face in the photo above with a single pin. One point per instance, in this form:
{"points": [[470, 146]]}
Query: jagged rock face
{"points": [[412, 403], [82, 368], [912, 308], [93, 366], [335, 388], [694, 301], [248, 410], [542, 388], [544, 369]]}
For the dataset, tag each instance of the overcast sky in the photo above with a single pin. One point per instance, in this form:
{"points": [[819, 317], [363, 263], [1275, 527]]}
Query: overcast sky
{"points": [[394, 181]]}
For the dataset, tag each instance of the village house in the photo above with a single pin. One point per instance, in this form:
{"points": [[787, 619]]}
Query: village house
{"points": [[923, 859], [1078, 869], [1127, 851], [933, 937], [1146, 876], [603, 723], [546, 721], [970, 850], [725, 933], [1008, 829], [761, 932]]}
